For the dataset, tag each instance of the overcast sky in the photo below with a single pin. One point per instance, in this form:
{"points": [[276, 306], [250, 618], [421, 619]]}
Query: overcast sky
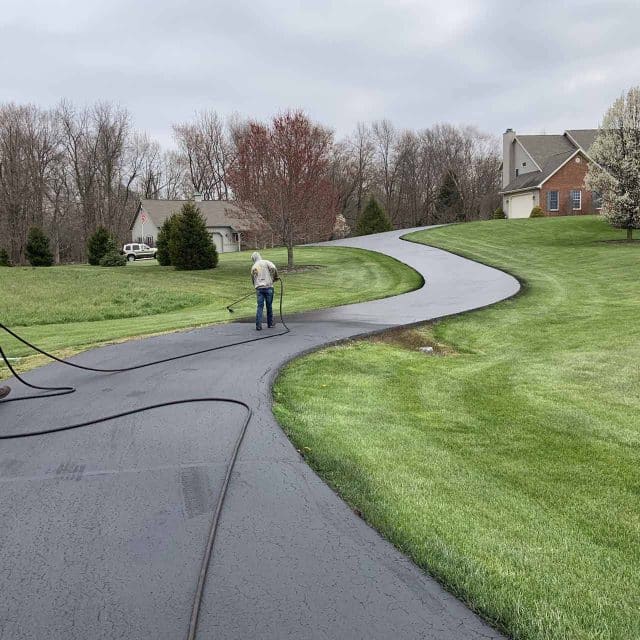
{"points": [[534, 66]]}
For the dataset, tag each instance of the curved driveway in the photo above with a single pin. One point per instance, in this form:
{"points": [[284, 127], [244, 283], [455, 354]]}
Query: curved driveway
{"points": [[102, 529]]}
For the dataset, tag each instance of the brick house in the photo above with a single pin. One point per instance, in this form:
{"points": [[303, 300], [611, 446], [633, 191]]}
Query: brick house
{"points": [[547, 171]]}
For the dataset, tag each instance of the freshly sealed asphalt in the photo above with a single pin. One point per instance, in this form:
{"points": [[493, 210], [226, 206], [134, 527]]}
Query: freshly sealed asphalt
{"points": [[102, 529]]}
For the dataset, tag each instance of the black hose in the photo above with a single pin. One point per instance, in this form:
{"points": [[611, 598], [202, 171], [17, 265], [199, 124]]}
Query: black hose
{"points": [[59, 391], [138, 366]]}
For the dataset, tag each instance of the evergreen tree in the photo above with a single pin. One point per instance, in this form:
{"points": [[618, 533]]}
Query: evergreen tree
{"points": [[373, 219], [112, 257], [449, 202], [164, 237], [190, 244], [98, 245], [37, 249]]}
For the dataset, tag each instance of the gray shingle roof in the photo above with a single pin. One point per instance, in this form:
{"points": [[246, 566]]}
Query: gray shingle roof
{"points": [[217, 213], [584, 137], [534, 178], [543, 147]]}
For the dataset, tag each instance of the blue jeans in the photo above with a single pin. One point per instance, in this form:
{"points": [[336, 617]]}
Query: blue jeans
{"points": [[264, 295]]}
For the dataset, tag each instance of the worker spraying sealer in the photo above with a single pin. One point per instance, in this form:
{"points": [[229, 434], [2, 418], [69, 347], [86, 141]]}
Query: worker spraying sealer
{"points": [[263, 274]]}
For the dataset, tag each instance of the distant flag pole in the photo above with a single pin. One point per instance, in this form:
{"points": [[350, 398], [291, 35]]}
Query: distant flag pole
{"points": [[143, 219]]}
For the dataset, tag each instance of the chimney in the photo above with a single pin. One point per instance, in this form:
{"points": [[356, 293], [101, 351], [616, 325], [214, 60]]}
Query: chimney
{"points": [[508, 159], [197, 196]]}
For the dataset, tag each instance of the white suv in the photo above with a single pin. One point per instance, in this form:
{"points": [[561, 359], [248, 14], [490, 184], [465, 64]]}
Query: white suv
{"points": [[136, 251]]}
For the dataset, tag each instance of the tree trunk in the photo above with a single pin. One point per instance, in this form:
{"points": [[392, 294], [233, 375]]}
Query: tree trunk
{"points": [[290, 256], [629, 234]]}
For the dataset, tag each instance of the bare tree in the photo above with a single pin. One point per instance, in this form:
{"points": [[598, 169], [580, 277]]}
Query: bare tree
{"points": [[207, 148], [282, 171], [28, 149]]}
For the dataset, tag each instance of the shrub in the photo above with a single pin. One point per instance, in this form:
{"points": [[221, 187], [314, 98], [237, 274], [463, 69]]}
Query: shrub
{"points": [[163, 254], [5, 261], [98, 245], [498, 214], [536, 212], [112, 257], [190, 245], [373, 219], [37, 250]]}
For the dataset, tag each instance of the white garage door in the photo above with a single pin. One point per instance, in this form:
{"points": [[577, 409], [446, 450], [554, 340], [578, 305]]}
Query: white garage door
{"points": [[520, 206]]}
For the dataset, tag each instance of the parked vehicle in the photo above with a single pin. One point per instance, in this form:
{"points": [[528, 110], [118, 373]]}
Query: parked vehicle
{"points": [[136, 251]]}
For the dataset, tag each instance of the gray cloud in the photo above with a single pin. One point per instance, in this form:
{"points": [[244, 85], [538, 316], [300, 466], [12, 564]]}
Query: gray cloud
{"points": [[530, 65]]}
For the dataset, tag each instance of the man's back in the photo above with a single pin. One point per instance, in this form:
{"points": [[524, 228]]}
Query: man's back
{"points": [[263, 273]]}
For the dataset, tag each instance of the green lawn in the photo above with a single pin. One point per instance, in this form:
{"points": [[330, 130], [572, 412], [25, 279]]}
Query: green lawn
{"points": [[68, 308], [509, 466]]}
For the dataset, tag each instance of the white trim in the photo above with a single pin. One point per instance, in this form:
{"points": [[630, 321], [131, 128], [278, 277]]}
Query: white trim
{"points": [[506, 193], [579, 207], [539, 186], [569, 159], [587, 156], [525, 150]]}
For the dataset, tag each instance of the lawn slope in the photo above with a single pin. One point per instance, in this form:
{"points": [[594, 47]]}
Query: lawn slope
{"points": [[68, 308], [509, 467]]}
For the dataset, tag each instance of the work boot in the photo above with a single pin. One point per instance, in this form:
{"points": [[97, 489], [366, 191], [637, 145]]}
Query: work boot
{"points": [[258, 327], [4, 392], [272, 325]]}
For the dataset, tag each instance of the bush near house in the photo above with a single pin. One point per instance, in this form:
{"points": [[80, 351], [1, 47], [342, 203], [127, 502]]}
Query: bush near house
{"points": [[98, 245], [498, 214], [163, 254], [190, 245], [536, 212], [5, 261], [112, 257], [373, 219], [37, 249]]}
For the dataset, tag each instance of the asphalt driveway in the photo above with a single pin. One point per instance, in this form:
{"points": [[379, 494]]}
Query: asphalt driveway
{"points": [[102, 529]]}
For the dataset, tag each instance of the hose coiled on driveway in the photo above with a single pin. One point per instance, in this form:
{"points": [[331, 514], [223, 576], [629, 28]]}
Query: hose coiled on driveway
{"points": [[60, 391]]}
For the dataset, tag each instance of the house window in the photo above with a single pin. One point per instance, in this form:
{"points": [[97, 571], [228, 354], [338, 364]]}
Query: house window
{"points": [[596, 199], [517, 172], [524, 164], [576, 199], [553, 201]]}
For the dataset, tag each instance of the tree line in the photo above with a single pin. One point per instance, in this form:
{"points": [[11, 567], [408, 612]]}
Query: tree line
{"points": [[70, 171]]}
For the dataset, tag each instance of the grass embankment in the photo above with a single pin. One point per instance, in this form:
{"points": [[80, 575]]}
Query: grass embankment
{"points": [[510, 469], [69, 308]]}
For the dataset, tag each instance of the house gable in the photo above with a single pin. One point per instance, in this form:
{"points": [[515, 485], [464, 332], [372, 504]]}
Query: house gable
{"points": [[566, 179]]}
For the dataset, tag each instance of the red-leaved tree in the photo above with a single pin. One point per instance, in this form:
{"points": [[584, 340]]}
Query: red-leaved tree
{"points": [[281, 171]]}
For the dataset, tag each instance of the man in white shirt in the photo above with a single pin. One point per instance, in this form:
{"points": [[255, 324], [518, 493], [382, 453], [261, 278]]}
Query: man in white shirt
{"points": [[263, 274]]}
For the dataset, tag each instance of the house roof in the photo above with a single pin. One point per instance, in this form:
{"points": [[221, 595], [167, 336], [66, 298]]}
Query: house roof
{"points": [[584, 137], [543, 147], [217, 213], [550, 152]]}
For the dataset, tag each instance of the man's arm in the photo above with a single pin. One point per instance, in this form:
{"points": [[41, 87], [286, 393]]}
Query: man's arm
{"points": [[273, 271]]}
